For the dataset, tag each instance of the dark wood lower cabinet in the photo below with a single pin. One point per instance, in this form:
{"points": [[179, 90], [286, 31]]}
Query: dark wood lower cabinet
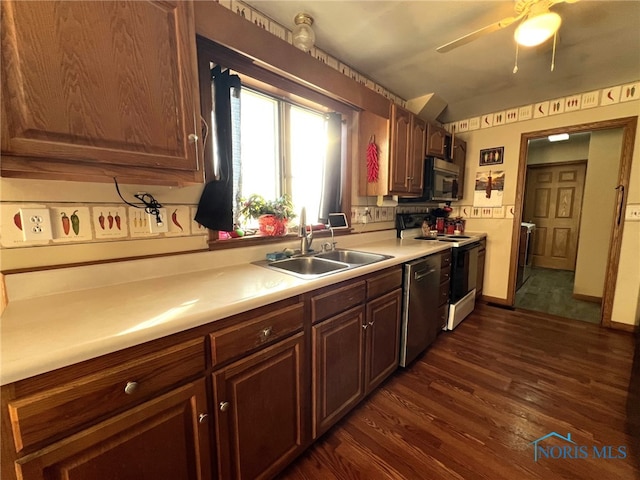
{"points": [[162, 438], [353, 352], [383, 331], [259, 411], [338, 350]]}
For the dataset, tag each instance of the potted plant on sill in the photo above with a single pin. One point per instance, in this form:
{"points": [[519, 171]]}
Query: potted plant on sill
{"points": [[272, 215]]}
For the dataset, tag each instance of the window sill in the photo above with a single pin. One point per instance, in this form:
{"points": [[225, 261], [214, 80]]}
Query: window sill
{"points": [[254, 240]]}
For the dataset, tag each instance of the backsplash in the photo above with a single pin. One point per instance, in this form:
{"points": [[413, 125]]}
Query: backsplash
{"points": [[89, 223]]}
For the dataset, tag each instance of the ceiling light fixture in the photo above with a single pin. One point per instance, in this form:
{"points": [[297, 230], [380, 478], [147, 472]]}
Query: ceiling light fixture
{"points": [[558, 137], [537, 28], [303, 35]]}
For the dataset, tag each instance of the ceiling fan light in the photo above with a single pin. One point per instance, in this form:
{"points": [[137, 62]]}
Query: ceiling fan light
{"points": [[537, 29], [303, 35]]}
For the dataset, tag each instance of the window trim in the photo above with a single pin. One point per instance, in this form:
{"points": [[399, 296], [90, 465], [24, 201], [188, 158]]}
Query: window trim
{"points": [[289, 90]]}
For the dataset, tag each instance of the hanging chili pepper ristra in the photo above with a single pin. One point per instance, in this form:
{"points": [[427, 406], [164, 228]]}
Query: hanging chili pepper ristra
{"points": [[373, 167]]}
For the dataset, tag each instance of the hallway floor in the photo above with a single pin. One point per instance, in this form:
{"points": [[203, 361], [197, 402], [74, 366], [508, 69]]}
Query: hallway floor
{"points": [[551, 291]]}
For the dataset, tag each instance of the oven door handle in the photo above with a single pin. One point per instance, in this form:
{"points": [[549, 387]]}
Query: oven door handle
{"points": [[420, 275]]}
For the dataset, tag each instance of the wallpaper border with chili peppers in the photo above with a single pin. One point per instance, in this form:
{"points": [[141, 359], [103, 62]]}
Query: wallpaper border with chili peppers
{"points": [[90, 223]]}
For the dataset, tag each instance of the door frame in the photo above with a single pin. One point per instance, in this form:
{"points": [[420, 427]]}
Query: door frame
{"points": [[628, 126]]}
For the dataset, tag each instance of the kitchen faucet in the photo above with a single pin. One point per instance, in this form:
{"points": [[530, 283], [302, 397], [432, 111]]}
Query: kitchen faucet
{"points": [[305, 238]]}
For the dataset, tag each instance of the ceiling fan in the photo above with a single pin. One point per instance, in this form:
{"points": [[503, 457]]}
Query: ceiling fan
{"points": [[538, 25]]}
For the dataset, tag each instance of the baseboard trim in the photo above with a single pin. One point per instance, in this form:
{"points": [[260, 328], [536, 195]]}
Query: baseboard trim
{"points": [[588, 298], [498, 302], [625, 327]]}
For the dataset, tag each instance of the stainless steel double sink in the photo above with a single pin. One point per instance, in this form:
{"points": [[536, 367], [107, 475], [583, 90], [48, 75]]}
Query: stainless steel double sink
{"points": [[320, 264]]}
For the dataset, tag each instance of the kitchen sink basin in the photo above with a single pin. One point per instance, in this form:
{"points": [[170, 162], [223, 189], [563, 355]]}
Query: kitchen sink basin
{"points": [[308, 267], [326, 263], [352, 257]]}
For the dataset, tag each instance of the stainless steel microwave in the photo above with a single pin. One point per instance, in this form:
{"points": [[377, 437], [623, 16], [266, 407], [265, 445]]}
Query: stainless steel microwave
{"points": [[440, 182]]}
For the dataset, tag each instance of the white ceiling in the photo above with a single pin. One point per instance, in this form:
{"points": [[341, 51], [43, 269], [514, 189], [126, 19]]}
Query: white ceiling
{"points": [[394, 43]]}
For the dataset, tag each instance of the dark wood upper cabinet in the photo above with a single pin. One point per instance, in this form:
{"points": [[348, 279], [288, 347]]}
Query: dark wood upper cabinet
{"points": [[93, 90], [438, 141], [459, 158], [406, 157]]}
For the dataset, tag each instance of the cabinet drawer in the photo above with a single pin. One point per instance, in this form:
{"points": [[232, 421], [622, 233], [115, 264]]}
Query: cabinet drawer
{"points": [[445, 274], [58, 410], [235, 341], [445, 259], [443, 296], [337, 300], [384, 283]]}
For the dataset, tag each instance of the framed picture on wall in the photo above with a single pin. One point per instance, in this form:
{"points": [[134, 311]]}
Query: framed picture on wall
{"points": [[491, 156]]}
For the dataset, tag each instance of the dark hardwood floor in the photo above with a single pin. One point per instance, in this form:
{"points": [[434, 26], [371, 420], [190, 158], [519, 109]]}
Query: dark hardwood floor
{"points": [[470, 407]]}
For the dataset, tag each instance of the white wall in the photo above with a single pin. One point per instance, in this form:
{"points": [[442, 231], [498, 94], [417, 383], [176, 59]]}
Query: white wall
{"points": [[626, 305], [598, 212]]}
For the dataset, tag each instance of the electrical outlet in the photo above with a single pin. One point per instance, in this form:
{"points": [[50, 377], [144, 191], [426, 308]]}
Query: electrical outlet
{"points": [[632, 212], [36, 224], [158, 227]]}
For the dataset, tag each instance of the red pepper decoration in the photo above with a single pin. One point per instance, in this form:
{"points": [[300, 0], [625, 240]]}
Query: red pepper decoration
{"points": [[110, 220], [174, 219], [373, 166], [75, 222], [66, 224], [17, 219], [118, 220], [101, 220]]}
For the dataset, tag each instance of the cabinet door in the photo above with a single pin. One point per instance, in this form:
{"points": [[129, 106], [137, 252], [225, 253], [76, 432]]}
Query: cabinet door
{"points": [[436, 141], [383, 338], [338, 353], [400, 152], [260, 421], [167, 437], [460, 158], [92, 87], [418, 136]]}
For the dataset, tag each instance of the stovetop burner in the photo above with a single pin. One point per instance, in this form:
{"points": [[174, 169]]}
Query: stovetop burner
{"points": [[409, 227]]}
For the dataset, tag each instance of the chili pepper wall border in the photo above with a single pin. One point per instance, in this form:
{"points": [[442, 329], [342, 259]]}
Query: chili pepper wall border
{"points": [[84, 224]]}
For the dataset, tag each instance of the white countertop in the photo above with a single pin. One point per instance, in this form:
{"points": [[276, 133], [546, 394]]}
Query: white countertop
{"points": [[43, 333]]}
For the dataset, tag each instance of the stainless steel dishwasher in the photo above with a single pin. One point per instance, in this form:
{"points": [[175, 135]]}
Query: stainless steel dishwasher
{"points": [[420, 323]]}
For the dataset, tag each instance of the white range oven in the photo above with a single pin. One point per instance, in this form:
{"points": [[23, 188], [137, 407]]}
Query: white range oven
{"points": [[464, 264]]}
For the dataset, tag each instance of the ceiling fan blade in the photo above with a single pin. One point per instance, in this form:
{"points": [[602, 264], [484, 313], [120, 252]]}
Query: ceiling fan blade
{"points": [[458, 42]]}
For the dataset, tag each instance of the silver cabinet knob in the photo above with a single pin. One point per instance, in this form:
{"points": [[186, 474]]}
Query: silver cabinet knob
{"points": [[371, 324], [131, 387], [203, 417], [266, 332], [193, 138], [224, 406], [365, 326]]}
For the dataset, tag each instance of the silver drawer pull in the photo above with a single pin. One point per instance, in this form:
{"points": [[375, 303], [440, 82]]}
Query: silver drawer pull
{"points": [[224, 406], [193, 138], [131, 387], [203, 417]]}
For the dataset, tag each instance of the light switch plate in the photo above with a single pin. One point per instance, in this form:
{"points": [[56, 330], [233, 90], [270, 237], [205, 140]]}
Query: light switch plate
{"points": [[36, 224]]}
